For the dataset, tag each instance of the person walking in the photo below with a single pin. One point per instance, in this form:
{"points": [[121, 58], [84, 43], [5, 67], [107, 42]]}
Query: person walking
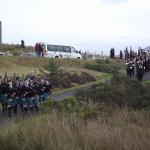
{"points": [[37, 49], [41, 50]]}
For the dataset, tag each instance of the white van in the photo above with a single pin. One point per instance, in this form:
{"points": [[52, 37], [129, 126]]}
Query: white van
{"points": [[59, 51]]}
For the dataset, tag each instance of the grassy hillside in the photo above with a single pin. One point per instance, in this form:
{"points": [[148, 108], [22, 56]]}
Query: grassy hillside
{"points": [[15, 64], [72, 72]]}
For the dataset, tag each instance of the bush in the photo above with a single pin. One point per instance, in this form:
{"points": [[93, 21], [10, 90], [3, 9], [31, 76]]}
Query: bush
{"points": [[120, 91], [71, 106], [63, 79], [67, 106], [107, 68], [143, 102], [52, 67]]}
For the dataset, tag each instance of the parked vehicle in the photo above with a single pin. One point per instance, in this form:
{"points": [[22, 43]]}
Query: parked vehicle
{"points": [[2, 54], [59, 51], [28, 54], [5, 54]]}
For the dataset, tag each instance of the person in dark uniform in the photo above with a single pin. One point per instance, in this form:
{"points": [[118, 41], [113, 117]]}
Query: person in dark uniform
{"points": [[17, 100], [129, 69], [11, 97], [132, 67], [25, 96], [140, 70], [4, 90], [36, 96], [31, 96]]}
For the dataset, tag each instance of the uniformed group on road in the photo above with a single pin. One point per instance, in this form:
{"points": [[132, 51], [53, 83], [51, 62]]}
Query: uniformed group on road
{"points": [[26, 94], [138, 64]]}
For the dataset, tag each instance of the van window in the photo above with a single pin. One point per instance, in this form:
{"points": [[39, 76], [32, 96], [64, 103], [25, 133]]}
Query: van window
{"points": [[60, 48], [67, 49], [51, 48]]}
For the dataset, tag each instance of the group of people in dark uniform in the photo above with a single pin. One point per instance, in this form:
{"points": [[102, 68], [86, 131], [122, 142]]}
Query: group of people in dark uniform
{"points": [[139, 63], [26, 94]]}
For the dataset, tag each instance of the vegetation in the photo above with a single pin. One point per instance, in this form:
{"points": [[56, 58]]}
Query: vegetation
{"points": [[108, 66], [63, 79], [108, 116], [116, 130], [120, 91], [15, 49]]}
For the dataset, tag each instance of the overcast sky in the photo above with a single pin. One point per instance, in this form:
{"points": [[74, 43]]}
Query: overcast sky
{"points": [[85, 24]]}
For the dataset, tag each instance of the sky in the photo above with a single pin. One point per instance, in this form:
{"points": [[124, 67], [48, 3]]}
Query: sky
{"points": [[94, 25]]}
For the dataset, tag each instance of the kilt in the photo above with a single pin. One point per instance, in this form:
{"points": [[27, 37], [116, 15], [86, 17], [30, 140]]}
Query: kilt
{"points": [[30, 101], [10, 102], [24, 102], [36, 100]]}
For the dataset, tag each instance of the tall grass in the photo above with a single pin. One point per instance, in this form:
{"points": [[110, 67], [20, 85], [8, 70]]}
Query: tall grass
{"points": [[122, 130]]}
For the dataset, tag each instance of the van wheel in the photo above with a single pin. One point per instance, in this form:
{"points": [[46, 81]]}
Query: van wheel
{"points": [[56, 57], [78, 57]]}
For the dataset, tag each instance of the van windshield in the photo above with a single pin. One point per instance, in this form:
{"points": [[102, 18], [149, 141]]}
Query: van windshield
{"points": [[74, 50]]}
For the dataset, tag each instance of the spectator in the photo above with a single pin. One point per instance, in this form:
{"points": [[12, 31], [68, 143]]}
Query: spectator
{"points": [[22, 44], [41, 50], [121, 55], [37, 49]]}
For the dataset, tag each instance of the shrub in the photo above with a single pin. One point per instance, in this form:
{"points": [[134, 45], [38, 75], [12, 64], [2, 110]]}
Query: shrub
{"points": [[143, 102], [67, 106], [52, 67], [120, 91], [64, 79], [107, 68]]}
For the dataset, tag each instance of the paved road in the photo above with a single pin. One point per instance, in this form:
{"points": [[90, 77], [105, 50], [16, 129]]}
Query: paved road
{"points": [[146, 76], [63, 95]]}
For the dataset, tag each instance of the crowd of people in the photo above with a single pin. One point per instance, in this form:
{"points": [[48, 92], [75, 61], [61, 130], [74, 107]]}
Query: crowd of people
{"points": [[139, 63], [25, 93], [136, 63]]}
